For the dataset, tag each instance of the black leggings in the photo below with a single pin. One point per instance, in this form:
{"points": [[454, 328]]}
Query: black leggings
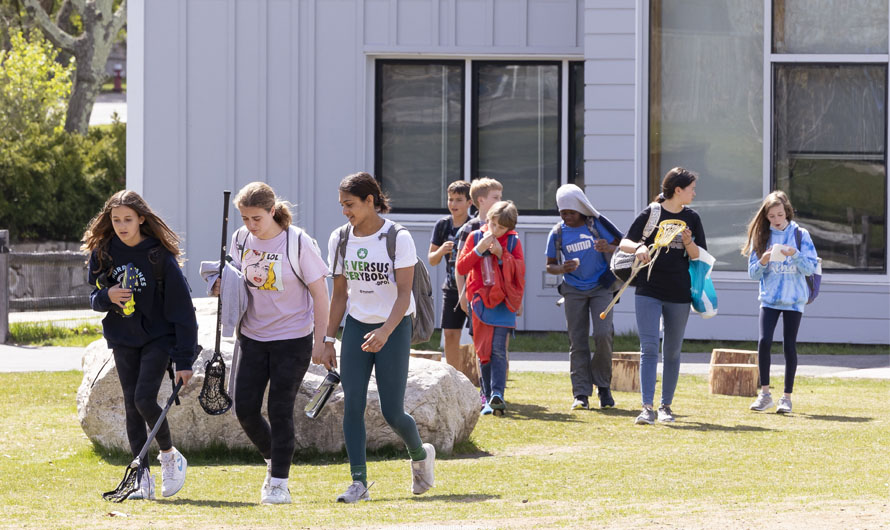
{"points": [[282, 364], [141, 371], [769, 317]]}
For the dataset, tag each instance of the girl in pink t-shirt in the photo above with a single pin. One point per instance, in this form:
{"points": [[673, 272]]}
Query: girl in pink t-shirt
{"points": [[287, 301]]}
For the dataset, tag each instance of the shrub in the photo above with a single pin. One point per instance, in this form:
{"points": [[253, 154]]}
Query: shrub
{"points": [[51, 182]]}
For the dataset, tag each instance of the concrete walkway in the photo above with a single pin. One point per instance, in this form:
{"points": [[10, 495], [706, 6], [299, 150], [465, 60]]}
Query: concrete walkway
{"points": [[35, 358]]}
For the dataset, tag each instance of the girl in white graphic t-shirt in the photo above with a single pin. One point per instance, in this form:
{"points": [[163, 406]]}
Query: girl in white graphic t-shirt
{"points": [[377, 332]]}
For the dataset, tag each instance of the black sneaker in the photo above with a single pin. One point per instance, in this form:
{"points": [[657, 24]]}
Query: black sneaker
{"points": [[580, 403], [606, 399]]}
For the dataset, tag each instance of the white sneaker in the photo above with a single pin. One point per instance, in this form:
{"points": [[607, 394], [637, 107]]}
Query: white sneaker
{"points": [[763, 402], [276, 494], [354, 493], [422, 473], [173, 466], [146, 490], [784, 406]]}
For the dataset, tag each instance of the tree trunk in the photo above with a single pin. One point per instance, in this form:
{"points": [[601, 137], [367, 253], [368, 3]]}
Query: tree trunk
{"points": [[625, 371], [734, 379]]}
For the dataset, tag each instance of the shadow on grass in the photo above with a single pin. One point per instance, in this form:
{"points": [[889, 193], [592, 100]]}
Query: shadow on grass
{"points": [[701, 426], [628, 413], [525, 411], [473, 497], [209, 503], [841, 419]]}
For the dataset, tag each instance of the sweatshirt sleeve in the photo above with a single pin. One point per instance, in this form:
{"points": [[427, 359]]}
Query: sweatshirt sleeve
{"points": [[806, 258], [467, 259], [99, 300], [755, 268], [179, 311]]}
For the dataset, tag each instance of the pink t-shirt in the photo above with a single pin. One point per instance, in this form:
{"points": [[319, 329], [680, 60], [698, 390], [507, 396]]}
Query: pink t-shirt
{"points": [[279, 306]]}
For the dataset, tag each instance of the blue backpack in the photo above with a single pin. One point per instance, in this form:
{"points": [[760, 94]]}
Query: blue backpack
{"points": [[814, 281]]}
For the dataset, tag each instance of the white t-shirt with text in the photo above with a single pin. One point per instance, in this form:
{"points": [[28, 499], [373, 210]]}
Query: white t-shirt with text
{"points": [[370, 278]]}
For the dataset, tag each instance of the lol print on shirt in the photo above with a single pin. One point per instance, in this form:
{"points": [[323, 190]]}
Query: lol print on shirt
{"points": [[262, 270]]}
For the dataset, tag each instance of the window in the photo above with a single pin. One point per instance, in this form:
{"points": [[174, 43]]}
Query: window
{"points": [[576, 123], [830, 125], [516, 140], [815, 127], [830, 26], [515, 130], [419, 130], [706, 111]]}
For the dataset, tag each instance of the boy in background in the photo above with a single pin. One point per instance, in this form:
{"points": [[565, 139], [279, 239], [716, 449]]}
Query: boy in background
{"points": [[442, 247], [484, 193]]}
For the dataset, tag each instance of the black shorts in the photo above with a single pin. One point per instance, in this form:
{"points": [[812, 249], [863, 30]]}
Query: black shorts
{"points": [[452, 318]]}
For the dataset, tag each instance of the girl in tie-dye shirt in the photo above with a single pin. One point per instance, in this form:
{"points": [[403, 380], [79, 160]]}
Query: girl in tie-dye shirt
{"points": [[782, 265]]}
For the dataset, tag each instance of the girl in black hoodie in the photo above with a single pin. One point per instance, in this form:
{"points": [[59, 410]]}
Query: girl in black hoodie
{"points": [[138, 281]]}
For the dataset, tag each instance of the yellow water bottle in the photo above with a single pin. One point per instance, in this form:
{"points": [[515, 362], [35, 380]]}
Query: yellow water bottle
{"points": [[129, 281]]}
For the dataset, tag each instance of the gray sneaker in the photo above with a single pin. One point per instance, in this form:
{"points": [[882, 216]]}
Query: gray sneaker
{"points": [[665, 414], [354, 493], [422, 471], [763, 402], [647, 417], [784, 406]]}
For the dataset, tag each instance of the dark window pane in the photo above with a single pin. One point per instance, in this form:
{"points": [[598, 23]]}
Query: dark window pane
{"points": [[576, 124], [830, 138], [419, 140], [706, 111], [517, 135], [830, 26]]}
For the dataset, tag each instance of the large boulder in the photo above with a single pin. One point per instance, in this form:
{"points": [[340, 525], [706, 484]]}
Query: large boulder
{"points": [[442, 401]]}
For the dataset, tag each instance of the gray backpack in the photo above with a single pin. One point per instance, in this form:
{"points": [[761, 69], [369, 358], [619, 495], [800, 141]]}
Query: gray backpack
{"points": [[424, 319]]}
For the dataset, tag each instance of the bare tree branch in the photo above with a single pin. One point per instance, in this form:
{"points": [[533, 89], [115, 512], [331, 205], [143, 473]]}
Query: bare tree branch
{"points": [[53, 32]]}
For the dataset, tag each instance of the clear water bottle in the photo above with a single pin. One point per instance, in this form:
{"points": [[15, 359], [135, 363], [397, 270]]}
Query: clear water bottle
{"points": [[322, 394], [487, 270]]}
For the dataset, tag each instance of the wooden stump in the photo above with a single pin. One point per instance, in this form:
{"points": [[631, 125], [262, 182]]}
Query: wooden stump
{"points": [[727, 356], [734, 379], [427, 354], [626, 371], [467, 363]]}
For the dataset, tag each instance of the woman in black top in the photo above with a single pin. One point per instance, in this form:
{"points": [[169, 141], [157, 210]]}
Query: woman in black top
{"points": [[664, 291]]}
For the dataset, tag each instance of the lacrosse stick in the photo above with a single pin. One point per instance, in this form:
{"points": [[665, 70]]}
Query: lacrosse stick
{"points": [[667, 231], [130, 482], [213, 397]]}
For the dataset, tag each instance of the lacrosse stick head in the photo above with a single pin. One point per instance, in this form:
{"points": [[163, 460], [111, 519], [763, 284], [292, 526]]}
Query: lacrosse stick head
{"points": [[667, 231], [128, 485], [213, 397]]}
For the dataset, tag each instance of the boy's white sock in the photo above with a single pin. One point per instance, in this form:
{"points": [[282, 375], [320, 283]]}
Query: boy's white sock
{"points": [[281, 482]]}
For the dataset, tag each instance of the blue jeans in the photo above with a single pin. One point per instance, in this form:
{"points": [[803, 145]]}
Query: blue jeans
{"points": [[675, 315], [494, 373]]}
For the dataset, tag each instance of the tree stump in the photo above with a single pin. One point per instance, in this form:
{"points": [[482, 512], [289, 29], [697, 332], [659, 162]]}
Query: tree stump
{"points": [[626, 371], [729, 356], [427, 354], [734, 379], [467, 363]]}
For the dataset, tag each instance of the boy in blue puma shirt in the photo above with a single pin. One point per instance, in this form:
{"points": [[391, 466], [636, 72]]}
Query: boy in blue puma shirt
{"points": [[585, 239]]}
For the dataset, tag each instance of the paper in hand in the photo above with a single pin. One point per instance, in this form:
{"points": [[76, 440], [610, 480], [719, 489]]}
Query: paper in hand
{"points": [[776, 254]]}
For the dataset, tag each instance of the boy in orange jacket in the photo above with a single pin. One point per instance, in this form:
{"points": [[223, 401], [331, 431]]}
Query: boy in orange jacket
{"points": [[495, 270]]}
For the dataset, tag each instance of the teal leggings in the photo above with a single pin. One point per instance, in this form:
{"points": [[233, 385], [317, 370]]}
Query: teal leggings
{"points": [[391, 368]]}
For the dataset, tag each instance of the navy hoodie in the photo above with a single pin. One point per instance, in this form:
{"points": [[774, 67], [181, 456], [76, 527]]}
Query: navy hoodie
{"points": [[169, 314]]}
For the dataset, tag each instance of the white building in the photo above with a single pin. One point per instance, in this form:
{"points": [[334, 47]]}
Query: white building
{"points": [[754, 95]]}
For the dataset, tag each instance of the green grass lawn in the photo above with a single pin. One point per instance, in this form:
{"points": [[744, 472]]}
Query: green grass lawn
{"points": [[719, 465], [54, 334]]}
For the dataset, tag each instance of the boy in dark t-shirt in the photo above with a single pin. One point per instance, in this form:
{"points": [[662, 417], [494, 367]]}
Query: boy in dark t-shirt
{"points": [[442, 246]]}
